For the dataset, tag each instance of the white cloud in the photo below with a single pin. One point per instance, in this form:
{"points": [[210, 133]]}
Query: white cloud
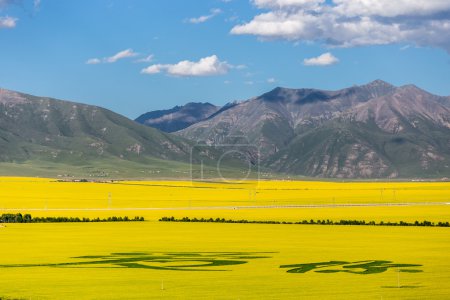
{"points": [[207, 66], [325, 59], [146, 59], [202, 19], [389, 8], [153, 69], [7, 22], [350, 23], [286, 3], [37, 3], [112, 59], [93, 61], [120, 55], [271, 80]]}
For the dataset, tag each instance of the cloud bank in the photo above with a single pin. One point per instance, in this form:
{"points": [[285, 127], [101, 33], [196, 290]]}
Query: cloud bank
{"points": [[351, 23]]}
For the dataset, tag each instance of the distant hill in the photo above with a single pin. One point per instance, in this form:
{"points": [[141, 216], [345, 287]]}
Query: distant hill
{"points": [[40, 136], [179, 117], [375, 130], [45, 128]]}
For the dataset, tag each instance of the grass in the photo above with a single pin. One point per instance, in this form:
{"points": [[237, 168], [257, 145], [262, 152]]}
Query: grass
{"points": [[112, 168]]}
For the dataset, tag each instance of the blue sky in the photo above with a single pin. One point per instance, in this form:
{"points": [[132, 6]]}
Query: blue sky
{"points": [[133, 56]]}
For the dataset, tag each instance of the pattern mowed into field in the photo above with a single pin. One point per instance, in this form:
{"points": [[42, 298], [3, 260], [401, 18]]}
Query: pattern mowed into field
{"points": [[141, 260], [146, 260]]}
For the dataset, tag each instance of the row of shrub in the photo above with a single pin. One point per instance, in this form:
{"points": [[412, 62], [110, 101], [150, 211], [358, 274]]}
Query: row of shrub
{"points": [[310, 222], [27, 218]]}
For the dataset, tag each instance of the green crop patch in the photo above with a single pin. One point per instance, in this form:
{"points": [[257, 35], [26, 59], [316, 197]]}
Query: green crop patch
{"points": [[359, 267], [188, 261]]}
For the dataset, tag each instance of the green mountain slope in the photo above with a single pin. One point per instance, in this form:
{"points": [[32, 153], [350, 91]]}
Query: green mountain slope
{"points": [[44, 136], [352, 149], [48, 129]]}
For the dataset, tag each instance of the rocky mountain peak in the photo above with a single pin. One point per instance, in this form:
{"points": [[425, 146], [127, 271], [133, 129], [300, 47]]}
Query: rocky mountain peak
{"points": [[11, 97], [379, 83]]}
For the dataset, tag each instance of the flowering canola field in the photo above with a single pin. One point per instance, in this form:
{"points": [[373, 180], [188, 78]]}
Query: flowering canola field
{"points": [[153, 259], [264, 200]]}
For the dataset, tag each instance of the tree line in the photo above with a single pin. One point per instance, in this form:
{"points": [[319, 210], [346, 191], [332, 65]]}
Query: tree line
{"points": [[310, 222], [27, 218]]}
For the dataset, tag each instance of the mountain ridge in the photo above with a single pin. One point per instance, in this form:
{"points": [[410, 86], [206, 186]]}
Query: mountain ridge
{"points": [[375, 130], [178, 117], [335, 125]]}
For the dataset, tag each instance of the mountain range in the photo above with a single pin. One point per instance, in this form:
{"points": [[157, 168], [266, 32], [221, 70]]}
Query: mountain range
{"points": [[375, 130]]}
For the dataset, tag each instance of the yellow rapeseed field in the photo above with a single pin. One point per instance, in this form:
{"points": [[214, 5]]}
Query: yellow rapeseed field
{"points": [[152, 260], [250, 200], [144, 260]]}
